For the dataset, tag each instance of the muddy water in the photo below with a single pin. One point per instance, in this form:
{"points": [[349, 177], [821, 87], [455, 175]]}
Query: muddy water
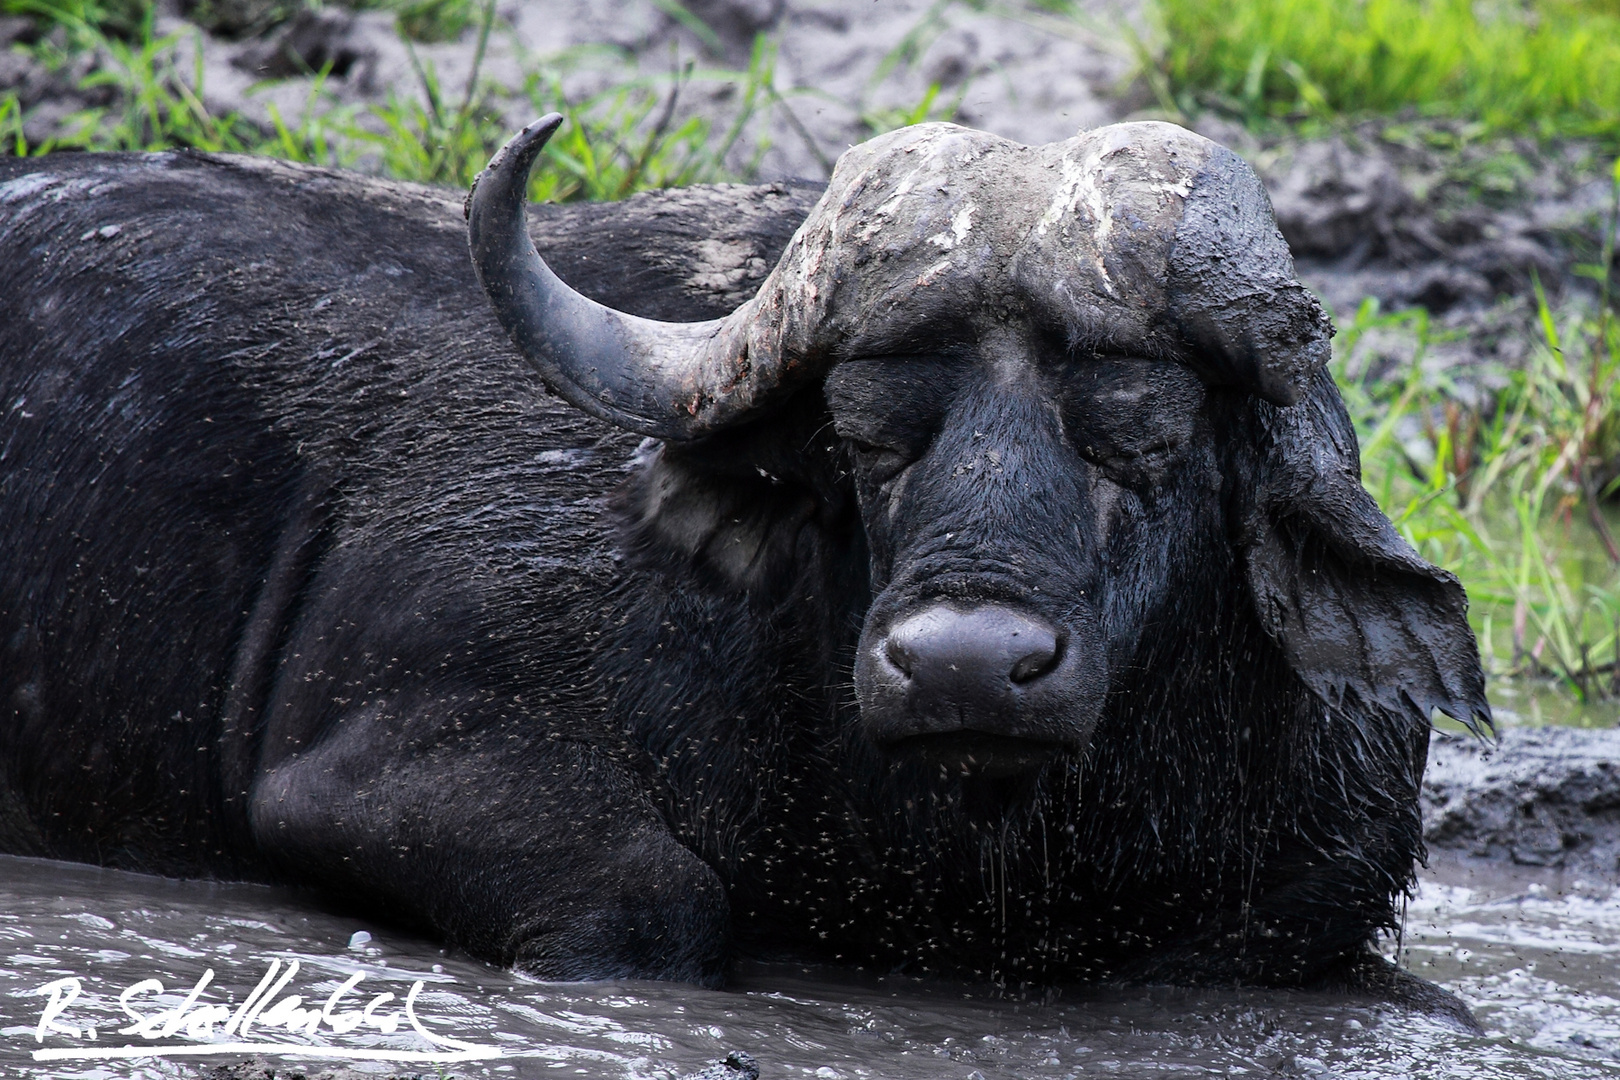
{"points": [[1534, 702], [1537, 957]]}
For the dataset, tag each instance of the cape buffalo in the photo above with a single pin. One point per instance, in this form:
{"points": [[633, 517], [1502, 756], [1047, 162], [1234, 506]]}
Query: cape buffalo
{"points": [[993, 593]]}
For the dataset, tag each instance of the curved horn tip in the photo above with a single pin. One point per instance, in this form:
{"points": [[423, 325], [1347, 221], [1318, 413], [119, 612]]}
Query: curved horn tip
{"points": [[512, 163]]}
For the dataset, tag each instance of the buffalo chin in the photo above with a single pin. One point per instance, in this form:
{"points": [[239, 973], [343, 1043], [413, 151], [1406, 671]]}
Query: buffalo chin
{"points": [[977, 753]]}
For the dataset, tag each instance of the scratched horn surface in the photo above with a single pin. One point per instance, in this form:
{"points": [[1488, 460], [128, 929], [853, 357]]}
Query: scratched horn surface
{"points": [[1539, 961]]}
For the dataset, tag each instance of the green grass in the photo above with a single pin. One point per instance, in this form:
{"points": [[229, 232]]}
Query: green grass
{"points": [[1544, 67], [1514, 494], [435, 20], [154, 106]]}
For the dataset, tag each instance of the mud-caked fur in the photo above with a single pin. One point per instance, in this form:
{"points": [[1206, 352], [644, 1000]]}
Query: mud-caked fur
{"points": [[304, 576]]}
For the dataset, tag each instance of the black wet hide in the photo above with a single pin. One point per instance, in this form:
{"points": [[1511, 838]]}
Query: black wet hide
{"points": [[304, 576]]}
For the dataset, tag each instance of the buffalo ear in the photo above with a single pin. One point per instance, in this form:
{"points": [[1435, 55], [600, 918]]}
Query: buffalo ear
{"points": [[1352, 605]]}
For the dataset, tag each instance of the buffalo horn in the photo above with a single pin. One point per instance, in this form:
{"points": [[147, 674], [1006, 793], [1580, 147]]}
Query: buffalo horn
{"points": [[676, 381]]}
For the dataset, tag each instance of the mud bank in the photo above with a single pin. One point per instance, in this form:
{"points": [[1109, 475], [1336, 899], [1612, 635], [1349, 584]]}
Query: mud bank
{"points": [[1416, 215], [1541, 797]]}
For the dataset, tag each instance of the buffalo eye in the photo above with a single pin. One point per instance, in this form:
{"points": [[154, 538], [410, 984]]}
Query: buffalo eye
{"points": [[880, 464], [888, 410], [1131, 417]]}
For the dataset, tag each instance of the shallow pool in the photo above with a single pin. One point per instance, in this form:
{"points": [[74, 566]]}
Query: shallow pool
{"points": [[1537, 956]]}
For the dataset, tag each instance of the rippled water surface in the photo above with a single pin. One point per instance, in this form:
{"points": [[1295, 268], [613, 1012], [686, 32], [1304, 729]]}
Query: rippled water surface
{"points": [[1537, 957]]}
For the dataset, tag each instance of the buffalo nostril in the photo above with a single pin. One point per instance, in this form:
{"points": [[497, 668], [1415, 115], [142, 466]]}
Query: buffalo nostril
{"points": [[1042, 657], [900, 656]]}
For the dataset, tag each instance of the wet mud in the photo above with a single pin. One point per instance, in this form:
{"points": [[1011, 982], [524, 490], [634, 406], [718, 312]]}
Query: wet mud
{"points": [[1539, 797]]}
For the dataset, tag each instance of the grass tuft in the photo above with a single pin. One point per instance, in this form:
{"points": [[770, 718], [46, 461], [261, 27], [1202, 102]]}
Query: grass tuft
{"points": [[1543, 67], [626, 138], [434, 20]]}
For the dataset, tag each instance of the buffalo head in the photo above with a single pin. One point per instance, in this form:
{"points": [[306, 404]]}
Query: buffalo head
{"points": [[1046, 365]]}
